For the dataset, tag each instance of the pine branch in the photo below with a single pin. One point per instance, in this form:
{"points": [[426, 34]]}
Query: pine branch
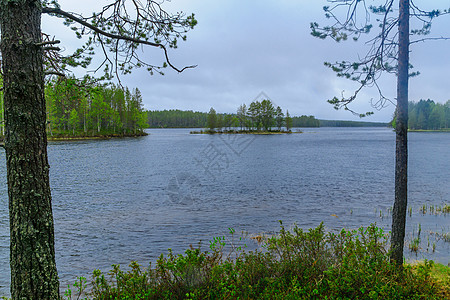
{"points": [[63, 14]]}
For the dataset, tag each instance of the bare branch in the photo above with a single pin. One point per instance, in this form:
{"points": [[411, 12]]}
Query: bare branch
{"points": [[119, 37], [55, 73], [431, 39], [60, 13], [54, 42], [51, 49]]}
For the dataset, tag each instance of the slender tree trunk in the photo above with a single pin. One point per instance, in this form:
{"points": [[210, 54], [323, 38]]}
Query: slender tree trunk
{"points": [[2, 125], [32, 252], [84, 118], [98, 123], [401, 151]]}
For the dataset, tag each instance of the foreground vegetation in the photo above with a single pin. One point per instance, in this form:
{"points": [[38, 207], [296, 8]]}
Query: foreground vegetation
{"points": [[294, 264]]}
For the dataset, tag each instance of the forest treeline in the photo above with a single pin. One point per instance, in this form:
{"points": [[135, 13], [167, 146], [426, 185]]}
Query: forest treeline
{"points": [[79, 108], [339, 123], [428, 115], [305, 121], [82, 108], [175, 118], [190, 119]]}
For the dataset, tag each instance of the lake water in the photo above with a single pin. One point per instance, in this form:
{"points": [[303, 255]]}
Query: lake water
{"points": [[120, 200]]}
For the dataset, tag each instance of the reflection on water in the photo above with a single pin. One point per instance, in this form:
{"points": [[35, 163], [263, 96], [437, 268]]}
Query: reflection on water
{"points": [[132, 199]]}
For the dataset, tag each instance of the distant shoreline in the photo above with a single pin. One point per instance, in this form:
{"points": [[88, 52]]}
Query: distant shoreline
{"points": [[93, 137], [429, 130], [81, 138], [245, 132]]}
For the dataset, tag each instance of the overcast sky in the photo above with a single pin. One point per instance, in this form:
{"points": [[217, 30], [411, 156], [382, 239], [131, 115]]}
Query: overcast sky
{"points": [[245, 47]]}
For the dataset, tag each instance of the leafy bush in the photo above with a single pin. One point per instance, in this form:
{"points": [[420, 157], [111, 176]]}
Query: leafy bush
{"points": [[294, 264]]}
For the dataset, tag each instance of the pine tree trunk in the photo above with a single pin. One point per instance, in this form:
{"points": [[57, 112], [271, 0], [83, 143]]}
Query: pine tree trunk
{"points": [[32, 254], [401, 151]]}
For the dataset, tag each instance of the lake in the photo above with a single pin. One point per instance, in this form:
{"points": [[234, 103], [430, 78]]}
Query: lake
{"points": [[120, 200]]}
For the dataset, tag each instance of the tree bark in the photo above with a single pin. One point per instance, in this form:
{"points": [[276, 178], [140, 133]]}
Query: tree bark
{"points": [[32, 253], [401, 151]]}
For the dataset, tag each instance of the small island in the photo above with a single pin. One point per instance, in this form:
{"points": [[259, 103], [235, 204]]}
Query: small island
{"points": [[236, 131], [261, 117]]}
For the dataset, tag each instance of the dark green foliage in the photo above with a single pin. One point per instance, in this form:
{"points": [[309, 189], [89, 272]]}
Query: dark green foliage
{"points": [[175, 118], [339, 123], [254, 115], [80, 108], [305, 121], [296, 264], [261, 115], [213, 122], [288, 121], [267, 114], [428, 115], [242, 116], [279, 117]]}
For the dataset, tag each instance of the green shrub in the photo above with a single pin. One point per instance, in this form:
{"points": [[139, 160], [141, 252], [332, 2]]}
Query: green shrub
{"points": [[294, 264]]}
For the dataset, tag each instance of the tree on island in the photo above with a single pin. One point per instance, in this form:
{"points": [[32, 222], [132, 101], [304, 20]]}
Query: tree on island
{"points": [[212, 119], [228, 121], [254, 113], [262, 114], [32, 251], [288, 121], [389, 52], [242, 116], [279, 117], [267, 114], [219, 122], [259, 115]]}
